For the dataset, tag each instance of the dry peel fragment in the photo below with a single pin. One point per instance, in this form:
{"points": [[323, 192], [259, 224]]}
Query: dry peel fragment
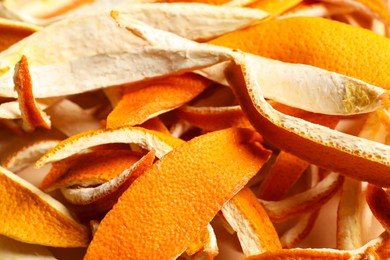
{"points": [[27, 155], [274, 7], [249, 219], [147, 139], [32, 115], [355, 157], [87, 195], [379, 202], [146, 100], [40, 219], [89, 169], [155, 208]]}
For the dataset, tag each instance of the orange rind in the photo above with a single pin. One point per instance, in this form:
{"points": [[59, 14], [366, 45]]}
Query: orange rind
{"points": [[204, 247], [163, 223], [249, 219], [41, 219]]}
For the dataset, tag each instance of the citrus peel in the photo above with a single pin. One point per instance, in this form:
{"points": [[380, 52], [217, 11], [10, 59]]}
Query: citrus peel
{"points": [[349, 155], [249, 219], [32, 115], [169, 194], [41, 219], [147, 139]]}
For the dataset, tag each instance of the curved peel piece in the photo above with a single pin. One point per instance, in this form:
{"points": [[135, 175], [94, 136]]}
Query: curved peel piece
{"points": [[355, 157], [379, 202], [41, 219], [83, 196], [249, 219], [166, 222], [204, 247], [147, 139]]}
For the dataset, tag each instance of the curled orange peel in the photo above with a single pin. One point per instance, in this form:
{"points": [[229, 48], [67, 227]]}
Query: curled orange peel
{"points": [[87, 195], [147, 139], [88, 169], [184, 178], [32, 115], [355, 157], [204, 247], [40, 219], [249, 219], [379, 202], [140, 103]]}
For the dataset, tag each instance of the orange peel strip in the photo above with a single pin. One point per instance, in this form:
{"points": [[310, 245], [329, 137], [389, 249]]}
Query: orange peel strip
{"points": [[282, 176], [204, 247], [140, 103], [348, 217], [27, 155], [214, 118], [379, 202], [32, 115], [304, 202], [147, 139], [40, 219], [316, 10], [212, 176], [83, 196], [89, 169], [353, 156], [249, 219]]}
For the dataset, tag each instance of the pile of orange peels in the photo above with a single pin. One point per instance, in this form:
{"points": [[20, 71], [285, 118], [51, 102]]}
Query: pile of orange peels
{"points": [[200, 129]]}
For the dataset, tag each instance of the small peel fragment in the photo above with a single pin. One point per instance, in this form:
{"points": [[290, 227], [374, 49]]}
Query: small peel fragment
{"points": [[166, 221], [353, 156], [13, 31], [86, 195], [379, 202], [41, 219], [249, 219], [147, 139], [204, 247], [32, 115]]}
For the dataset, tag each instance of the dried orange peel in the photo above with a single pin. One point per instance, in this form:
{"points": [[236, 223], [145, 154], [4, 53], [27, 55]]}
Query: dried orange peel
{"points": [[41, 219], [170, 193]]}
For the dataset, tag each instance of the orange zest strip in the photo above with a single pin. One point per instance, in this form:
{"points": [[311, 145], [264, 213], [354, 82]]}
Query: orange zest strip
{"points": [[200, 175], [88, 169], [306, 201], [29, 215], [353, 156], [303, 254], [214, 118], [83, 196], [283, 174], [147, 139], [142, 102], [32, 115], [27, 155], [348, 216], [379, 202], [296, 40], [249, 219]]}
